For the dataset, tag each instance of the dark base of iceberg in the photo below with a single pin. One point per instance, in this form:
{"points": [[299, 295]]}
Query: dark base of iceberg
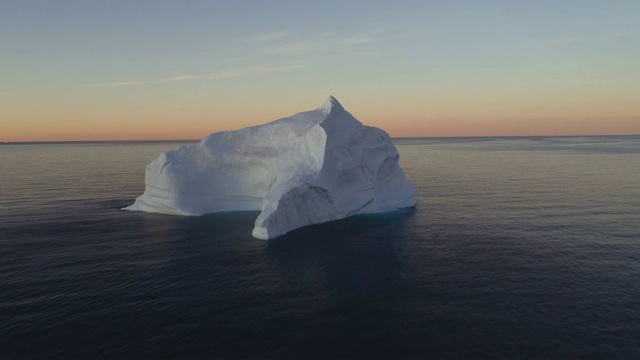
{"points": [[310, 168]]}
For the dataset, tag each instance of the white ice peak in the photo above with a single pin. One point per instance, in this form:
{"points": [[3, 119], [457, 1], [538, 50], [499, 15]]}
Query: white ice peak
{"points": [[330, 104], [309, 168]]}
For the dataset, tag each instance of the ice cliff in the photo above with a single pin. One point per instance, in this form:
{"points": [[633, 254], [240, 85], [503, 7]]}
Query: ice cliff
{"points": [[312, 167]]}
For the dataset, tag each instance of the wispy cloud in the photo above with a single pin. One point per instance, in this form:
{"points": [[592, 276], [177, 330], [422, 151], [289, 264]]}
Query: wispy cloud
{"points": [[268, 36], [282, 47], [330, 43], [221, 75], [297, 48], [567, 40], [358, 40]]}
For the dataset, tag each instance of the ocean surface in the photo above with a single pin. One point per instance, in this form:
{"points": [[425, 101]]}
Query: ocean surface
{"points": [[518, 248]]}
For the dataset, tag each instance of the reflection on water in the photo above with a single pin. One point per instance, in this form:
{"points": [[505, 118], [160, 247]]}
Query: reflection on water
{"points": [[518, 247]]}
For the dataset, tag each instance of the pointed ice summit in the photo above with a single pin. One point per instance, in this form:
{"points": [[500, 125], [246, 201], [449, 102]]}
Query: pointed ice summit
{"points": [[309, 168]]}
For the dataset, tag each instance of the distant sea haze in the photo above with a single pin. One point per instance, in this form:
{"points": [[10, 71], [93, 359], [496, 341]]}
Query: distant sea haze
{"points": [[522, 247]]}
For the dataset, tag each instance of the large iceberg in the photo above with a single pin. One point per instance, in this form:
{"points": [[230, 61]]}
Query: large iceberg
{"points": [[309, 168]]}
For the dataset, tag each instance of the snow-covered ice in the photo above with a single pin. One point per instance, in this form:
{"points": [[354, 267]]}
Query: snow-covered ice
{"points": [[309, 168]]}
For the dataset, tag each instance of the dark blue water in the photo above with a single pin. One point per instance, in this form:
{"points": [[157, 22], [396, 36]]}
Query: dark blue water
{"points": [[518, 248]]}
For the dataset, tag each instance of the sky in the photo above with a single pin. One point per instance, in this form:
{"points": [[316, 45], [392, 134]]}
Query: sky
{"points": [[160, 69]]}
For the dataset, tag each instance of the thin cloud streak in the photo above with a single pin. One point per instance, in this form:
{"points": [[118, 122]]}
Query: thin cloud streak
{"points": [[332, 43], [567, 40], [222, 75], [269, 36]]}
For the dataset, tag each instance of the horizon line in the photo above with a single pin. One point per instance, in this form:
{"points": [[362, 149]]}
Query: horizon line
{"points": [[392, 137]]}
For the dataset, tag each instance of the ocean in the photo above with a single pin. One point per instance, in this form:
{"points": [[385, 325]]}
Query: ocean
{"points": [[518, 248]]}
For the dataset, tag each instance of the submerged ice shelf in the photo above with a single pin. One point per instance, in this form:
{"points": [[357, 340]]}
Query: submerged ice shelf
{"points": [[309, 168]]}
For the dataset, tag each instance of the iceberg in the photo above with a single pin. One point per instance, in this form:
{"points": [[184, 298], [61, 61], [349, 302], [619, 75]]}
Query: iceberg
{"points": [[309, 168]]}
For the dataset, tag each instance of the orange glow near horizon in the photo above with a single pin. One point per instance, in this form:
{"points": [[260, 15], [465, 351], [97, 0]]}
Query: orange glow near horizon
{"points": [[171, 129], [403, 116]]}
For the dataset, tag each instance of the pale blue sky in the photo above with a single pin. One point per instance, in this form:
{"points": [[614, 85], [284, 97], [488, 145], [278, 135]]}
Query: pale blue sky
{"points": [[222, 62]]}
